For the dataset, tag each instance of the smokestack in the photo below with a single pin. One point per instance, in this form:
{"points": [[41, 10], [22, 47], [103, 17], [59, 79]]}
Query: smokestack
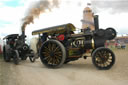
{"points": [[96, 22], [34, 12]]}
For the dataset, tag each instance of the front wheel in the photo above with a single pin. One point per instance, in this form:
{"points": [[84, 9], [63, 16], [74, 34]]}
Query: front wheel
{"points": [[103, 58], [32, 59], [16, 57], [32, 56]]}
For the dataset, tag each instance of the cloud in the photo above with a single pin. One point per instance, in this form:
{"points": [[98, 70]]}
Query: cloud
{"points": [[10, 29], [10, 17], [112, 13], [116, 6], [117, 21]]}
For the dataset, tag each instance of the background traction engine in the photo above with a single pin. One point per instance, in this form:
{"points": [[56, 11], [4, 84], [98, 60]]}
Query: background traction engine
{"points": [[61, 45], [15, 48]]}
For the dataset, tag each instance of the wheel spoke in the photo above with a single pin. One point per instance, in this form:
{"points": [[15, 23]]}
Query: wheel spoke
{"points": [[110, 57], [56, 48], [58, 53], [53, 47], [47, 49], [47, 58], [109, 60], [56, 60], [50, 60], [45, 52], [99, 54], [108, 63], [105, 65]]}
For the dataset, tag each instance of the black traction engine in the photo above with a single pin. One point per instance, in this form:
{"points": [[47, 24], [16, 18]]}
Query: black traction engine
{"points": [[15, 48]]}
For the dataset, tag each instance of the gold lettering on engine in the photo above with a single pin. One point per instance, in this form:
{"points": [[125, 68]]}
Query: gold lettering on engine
{"points": [[78, 43]]}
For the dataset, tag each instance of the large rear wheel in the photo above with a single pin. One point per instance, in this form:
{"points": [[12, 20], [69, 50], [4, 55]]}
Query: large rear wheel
{"points": [[6, 56], [52, 54], [103, 58]]}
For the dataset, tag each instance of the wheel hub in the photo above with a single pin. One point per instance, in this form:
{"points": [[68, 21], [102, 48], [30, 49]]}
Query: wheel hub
{"points": [[51, 54]]}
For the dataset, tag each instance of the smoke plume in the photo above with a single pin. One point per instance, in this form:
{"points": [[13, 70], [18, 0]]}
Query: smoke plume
{"points": [[116, 6], [38, 8]]}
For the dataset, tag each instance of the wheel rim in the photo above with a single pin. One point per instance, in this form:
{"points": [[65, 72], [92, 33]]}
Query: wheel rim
{"points": [[104, 58], [51, 54]]}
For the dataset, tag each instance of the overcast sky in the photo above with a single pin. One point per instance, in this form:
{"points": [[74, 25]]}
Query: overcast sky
{"points": [[112, 13]]}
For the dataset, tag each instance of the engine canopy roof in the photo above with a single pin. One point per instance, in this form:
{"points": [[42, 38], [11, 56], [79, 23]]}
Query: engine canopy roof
{"points": [[55, 29]]}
